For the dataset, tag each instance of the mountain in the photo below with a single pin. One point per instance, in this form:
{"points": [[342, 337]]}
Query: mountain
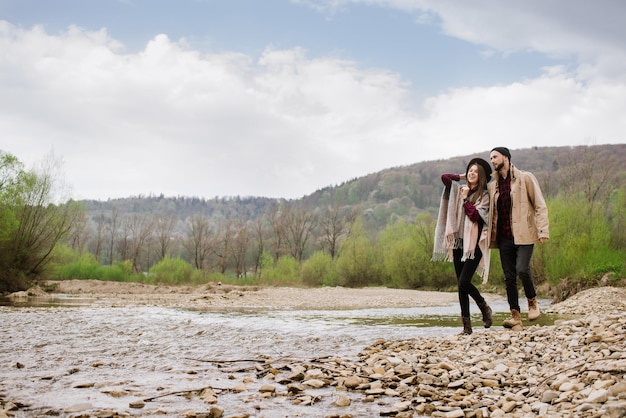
{"points": [[399, 192]]}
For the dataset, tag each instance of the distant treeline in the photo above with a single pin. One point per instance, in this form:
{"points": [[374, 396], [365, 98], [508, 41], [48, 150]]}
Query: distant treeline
{"points": [[376, 229]]}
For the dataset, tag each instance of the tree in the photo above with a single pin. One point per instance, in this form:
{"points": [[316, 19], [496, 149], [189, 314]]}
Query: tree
{"points": [[299, 226], [334, 225], [357, 263], [140, 227], [197, 242], [258, 235], [78, 235], [164, 225], [99, 238], [35, 224], [222, 245], [112, 228], [278, 227], [241, 241]]}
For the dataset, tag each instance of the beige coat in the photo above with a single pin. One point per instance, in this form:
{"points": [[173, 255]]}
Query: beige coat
{"points": [[529, 213]]}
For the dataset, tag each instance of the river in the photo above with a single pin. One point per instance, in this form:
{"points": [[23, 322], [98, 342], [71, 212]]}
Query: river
{"points": [[64, 357]]}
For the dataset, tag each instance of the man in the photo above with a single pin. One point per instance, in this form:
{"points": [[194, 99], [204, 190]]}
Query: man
{"points": [[519, 219]]}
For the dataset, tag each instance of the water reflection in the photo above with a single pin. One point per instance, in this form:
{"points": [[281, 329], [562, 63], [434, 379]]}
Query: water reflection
{"points": [[54, 300]]}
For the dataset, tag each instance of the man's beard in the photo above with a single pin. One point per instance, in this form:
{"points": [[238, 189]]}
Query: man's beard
{"points": [[500, 166]]}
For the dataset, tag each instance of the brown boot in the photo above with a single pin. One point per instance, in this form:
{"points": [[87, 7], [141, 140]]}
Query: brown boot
{"points": [[533, 309], [486, 311], [467, 326], [515, 322]]}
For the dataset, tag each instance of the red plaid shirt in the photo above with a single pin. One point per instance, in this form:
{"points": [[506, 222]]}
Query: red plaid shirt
{"points": [[504, 208]]}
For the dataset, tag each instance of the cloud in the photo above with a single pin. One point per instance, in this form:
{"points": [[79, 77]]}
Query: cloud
{"points": [[593, 33], [173, 120]]}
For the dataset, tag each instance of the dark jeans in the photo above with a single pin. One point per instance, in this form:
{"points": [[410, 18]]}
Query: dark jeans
{"points": [[464, 272], [515, 261]]}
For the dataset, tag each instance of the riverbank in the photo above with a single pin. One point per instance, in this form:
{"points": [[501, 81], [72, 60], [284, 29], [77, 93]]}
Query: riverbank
{"points": [[576, 367], [215, 296]]}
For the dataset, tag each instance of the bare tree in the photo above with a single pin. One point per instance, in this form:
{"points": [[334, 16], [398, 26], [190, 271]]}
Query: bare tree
{"points": [[197, 241], [334, 225], [122, 243], [278, 226], [299, 226], [78, 235], [258, 234], [241, 243], [583, 169], [112, 228], [164, 231], [222, 248], [140, 227], [100, 227]]}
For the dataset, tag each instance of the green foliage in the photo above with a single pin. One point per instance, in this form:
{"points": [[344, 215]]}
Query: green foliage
{"points": [[173, 271], [389, 245], [580, 245], [407, 250], [617, 217], [286, 270], [358, 264], [86, 268], [31, 223], [319, 270]]}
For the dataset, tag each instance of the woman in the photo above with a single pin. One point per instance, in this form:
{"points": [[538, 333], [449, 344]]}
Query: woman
{"points": [[461, 234]]}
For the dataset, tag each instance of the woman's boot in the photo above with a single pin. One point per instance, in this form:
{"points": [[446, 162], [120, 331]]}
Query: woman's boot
{"points": [[486, 311], [467, 325]]}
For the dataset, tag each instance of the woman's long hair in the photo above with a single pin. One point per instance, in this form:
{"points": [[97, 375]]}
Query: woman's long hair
{"points": [[482, 183]]}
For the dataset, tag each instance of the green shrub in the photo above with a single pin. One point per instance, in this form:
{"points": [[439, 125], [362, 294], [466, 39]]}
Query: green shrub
{"points": [[319, 270], [86, 268], [284, 271], [581, 245], [171, 271], [358, 264]]}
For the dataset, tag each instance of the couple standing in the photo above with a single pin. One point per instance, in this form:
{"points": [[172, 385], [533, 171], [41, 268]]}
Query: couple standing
{"points": [[508, 213]]}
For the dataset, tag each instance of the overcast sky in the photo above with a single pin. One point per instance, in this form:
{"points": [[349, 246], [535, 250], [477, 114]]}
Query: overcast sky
{"points": [[279, 98]]}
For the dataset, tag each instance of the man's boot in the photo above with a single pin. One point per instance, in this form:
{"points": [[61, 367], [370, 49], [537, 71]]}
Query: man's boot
{"points": [[533, 309], [467, 325], [486, 311], [515, 322]]}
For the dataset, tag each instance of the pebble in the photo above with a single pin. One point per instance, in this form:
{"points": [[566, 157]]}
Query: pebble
{"points": [[534, 372], [576, 367]]}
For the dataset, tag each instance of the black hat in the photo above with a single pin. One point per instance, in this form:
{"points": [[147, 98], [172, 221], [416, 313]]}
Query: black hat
{"points": [[504, 151], [486, 166]]}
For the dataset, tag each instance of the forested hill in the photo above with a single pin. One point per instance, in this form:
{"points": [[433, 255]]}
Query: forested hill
{"points": [[399, 192]]}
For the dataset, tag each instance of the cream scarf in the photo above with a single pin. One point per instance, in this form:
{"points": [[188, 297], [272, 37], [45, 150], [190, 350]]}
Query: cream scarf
{"points": [[448, 234]]}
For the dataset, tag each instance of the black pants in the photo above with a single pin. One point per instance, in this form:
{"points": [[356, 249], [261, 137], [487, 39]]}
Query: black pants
{"points": [[464, 272], [515, 261]]}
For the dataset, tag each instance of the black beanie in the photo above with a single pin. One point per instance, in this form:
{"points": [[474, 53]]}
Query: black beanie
{"points": [[504, 151]]}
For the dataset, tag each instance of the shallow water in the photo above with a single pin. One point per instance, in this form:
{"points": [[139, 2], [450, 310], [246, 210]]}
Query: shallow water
{"points": [[69, 358]]}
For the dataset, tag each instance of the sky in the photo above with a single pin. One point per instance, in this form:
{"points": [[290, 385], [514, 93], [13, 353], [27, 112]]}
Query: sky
{"points": [[280, 98]]}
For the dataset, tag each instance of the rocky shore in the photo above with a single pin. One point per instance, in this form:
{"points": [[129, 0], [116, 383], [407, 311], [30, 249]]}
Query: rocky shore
{"points": [[576, 367]]}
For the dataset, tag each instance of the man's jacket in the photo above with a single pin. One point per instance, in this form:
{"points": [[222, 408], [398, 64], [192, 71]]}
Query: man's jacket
{"points": [[529, 213]]}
